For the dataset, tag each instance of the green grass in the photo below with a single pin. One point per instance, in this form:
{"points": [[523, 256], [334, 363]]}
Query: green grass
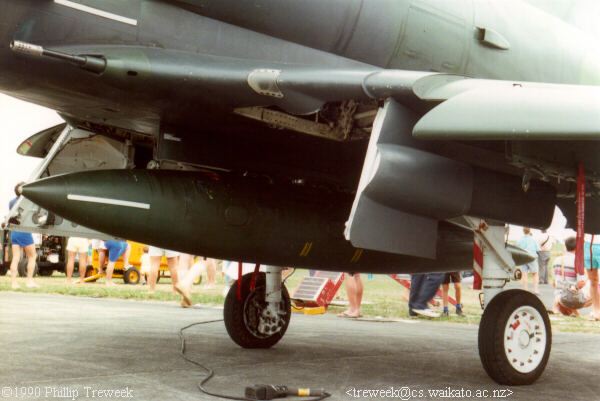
{"points": [[57, 285], [383, 298]]}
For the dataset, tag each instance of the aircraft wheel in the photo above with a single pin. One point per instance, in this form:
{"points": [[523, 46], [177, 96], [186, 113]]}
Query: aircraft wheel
{"points": [[131, 276], [515, 338], [242, 318]]}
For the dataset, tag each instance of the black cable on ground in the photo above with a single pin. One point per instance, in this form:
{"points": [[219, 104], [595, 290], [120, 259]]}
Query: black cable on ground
{"points": [[211, 373]]}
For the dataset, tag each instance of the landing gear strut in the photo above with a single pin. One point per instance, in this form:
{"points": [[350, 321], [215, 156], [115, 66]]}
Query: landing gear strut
{"points": [[260, 316], [515, 336]]}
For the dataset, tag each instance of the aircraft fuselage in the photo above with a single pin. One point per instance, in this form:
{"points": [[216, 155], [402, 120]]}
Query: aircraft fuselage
{"points": [[458, 37]]}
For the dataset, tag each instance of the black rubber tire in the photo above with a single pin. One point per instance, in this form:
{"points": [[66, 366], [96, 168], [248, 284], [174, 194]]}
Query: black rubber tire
{"points": [[22, 268], [234, 310], [46, 272], [491, 337], [131, 276]]}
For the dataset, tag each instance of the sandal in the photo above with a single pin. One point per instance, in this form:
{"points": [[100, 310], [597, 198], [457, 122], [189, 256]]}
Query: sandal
{"points": [[348, 316]]}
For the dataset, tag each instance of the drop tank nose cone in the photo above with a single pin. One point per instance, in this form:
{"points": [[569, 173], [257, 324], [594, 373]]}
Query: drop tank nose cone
{"points": [[50, 193]]}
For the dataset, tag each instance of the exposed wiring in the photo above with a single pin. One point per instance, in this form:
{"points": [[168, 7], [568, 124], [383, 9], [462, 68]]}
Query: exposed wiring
{"points": [[289, 275], [211, 373]]}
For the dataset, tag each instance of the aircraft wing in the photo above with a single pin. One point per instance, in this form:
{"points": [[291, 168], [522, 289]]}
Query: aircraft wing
{"points": [[515, 111]]}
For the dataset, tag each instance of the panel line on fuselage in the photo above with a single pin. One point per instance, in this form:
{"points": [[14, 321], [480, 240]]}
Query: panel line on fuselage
{"points": [[97, 12]]}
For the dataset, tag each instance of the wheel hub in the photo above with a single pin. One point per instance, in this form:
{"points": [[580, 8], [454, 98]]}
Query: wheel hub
{"points": [[261, 319], [525, 339]]}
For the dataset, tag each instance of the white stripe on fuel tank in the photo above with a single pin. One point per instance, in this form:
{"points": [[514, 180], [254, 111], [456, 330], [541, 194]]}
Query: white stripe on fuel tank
{"points": [[95, 11], [108, 201]]}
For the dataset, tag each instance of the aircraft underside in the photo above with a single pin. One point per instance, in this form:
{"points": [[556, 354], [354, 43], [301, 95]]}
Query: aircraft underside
{"points": [[217, 132]]}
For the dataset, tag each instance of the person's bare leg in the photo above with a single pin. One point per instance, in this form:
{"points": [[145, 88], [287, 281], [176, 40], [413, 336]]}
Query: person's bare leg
{"points": [[595, 295], [445, 290], [126, 256], [14, 264], [70, 266], [172, 263], [154, 267], [82, 266], [189, 272], [211, 272], [109, 272], [351, 292], [31, 257], [536, 282], [458, 293], [359, 293], [524, 280], [184, 264], [101, 260]]}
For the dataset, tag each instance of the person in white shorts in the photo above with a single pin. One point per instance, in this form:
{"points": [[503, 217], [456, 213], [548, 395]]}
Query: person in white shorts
{"points": [[77, 246], [155, 255], [100, 247]]}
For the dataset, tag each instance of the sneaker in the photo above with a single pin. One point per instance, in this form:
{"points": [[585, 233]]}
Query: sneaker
{"points": [[427, 313], [459, 310], [446, 313]]}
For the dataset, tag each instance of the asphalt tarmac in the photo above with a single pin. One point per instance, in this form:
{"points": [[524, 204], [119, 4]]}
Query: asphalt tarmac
{"points": [[58, 347]]}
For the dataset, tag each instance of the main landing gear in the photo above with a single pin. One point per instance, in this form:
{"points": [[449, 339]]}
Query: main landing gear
{"points": [[258, 310], [515, 336]]}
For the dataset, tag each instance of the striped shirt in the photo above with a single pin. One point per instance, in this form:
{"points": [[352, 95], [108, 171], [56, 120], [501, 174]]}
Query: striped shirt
{"points": [[570, 275]]}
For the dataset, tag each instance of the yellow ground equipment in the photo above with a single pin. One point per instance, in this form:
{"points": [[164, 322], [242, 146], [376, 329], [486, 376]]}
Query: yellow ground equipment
{"points": [[131, 274]]}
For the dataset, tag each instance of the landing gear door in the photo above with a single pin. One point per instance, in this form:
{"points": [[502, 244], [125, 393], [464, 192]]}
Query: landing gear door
{"points": [[375, 223], [64, 150]]}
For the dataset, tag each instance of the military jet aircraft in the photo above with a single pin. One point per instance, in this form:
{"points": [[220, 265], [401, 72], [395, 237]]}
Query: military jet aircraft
{"points": [[346, 135]]}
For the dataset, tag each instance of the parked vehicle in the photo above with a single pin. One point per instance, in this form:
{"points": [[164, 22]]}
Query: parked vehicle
{"points": [[51, 255]]}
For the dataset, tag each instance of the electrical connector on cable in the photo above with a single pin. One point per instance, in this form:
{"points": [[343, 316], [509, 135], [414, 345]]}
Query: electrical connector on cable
{"points": [[270, 392]]}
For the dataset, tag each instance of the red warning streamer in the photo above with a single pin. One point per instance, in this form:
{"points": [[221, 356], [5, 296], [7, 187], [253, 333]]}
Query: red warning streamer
{"points": [[239, 281], [477, 265], [580, 219]]}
